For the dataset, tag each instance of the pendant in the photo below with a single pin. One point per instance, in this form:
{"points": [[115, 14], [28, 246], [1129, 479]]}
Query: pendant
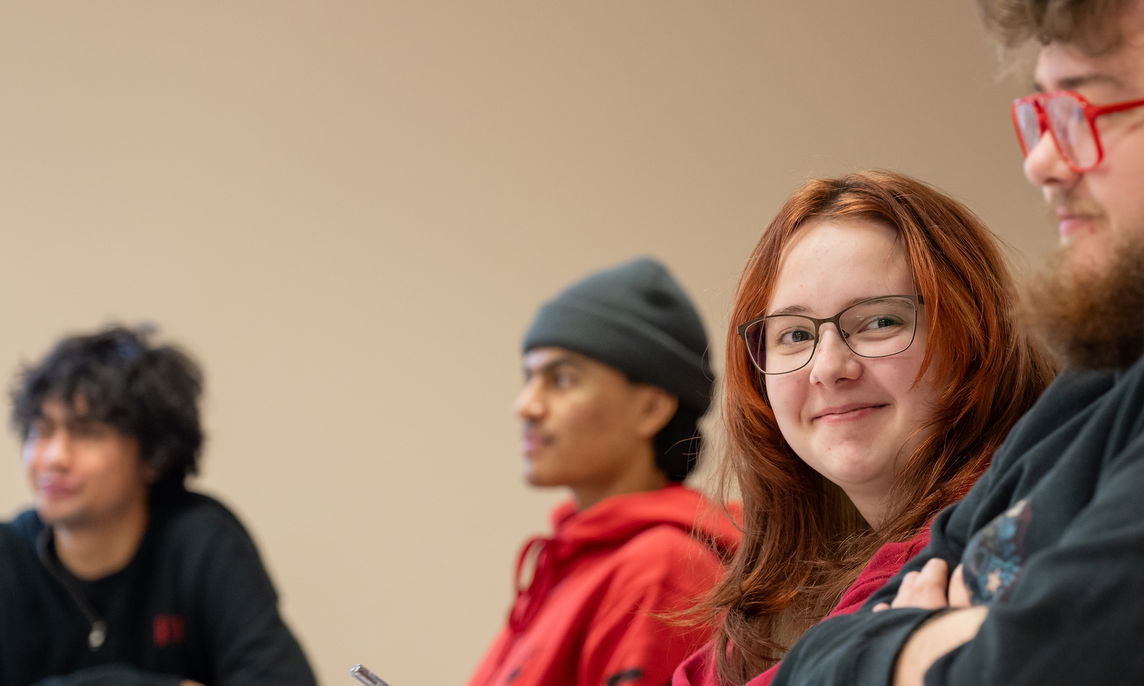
{"points": [[97, 635]]}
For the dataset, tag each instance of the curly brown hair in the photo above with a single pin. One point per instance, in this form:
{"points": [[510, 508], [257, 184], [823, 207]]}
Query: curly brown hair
{"points": [[1090, 25]]}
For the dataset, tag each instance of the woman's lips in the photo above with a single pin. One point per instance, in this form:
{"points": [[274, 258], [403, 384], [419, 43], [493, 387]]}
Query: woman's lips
{"points": [[847, 413]]}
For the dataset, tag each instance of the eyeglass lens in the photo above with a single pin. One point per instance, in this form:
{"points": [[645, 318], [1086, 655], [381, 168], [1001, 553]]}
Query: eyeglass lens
{"points": [[1072, 131], [873, 328]]}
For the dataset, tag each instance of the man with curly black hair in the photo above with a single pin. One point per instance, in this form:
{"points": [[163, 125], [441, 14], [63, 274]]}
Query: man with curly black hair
{"points": [[119, 574]]}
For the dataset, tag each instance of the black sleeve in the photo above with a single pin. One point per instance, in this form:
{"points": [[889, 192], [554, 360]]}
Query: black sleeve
{"points": [[249, 642], [1076, 614]]}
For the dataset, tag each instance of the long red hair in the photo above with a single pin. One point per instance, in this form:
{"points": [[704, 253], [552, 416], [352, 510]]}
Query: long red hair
{"points": [[803, 540]]}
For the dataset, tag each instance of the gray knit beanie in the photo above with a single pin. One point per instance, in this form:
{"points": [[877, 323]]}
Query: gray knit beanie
{"points": [[634, 317]]}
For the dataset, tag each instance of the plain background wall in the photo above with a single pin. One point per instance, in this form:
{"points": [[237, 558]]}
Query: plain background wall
{"points": [[349, 210]]}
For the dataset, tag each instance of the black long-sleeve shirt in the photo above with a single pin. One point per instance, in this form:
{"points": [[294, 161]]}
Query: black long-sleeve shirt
{"points": [[195, 602], [1052, 539]]}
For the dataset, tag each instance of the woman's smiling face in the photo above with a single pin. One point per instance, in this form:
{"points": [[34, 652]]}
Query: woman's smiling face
{"points": [[854, 420]]}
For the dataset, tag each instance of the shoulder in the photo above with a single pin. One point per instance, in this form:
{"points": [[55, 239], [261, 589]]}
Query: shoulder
{"points": [[657, 539], [26, 526], [189, 508], [666, 555], [886, 562], [1065, 405], [22, 575], [206, 546], [1074, 390], [680, 527], [891, 556], [13, 540], [652, 539], [194, 521], [18, 540]]}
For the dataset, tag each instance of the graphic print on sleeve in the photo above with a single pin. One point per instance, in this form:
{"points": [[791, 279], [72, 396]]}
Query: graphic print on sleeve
{"points": [[995, 555]]}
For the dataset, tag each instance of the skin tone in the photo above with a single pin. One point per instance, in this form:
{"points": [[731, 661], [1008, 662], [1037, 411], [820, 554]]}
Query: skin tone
{"points": [[587, 427], [1095, 211], [852, 419], [90, 485]]}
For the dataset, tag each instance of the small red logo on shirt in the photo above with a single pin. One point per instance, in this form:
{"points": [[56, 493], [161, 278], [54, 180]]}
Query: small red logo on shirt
{"points": [[168, 629]]}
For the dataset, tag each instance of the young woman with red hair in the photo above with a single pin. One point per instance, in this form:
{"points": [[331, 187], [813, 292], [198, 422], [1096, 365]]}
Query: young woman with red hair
{"points": [[873, 367]]}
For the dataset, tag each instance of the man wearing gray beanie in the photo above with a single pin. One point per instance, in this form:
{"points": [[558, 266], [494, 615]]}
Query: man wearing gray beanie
{"points": [[616, 380]]}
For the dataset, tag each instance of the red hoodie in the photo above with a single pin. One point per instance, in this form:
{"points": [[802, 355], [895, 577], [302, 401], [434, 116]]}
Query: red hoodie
{"points": [[587, 618], [699, 669]]}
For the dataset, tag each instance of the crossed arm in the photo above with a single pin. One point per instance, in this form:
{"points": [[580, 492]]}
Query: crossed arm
{"points": [[928, 589]]}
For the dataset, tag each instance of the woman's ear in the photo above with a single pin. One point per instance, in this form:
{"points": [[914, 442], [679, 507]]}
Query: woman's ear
{"points": [[657, 409]]}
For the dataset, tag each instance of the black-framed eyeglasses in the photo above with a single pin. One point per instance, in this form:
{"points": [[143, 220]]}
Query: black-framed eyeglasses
{"points": [[875, 327]]}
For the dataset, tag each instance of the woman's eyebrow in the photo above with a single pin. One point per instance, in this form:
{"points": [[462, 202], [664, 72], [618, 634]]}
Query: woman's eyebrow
{"points": [[790, 309], [802, 309]]}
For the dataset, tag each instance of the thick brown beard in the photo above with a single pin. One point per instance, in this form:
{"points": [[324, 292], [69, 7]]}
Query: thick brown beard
{"points": [[1092, 319]]}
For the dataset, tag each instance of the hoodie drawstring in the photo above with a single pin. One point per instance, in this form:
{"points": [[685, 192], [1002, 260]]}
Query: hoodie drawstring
{"points": [[530, 599]]}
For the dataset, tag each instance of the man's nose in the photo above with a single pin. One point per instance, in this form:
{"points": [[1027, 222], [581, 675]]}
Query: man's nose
{"points": [[528, 403], [55, 450], [1045, 165]]}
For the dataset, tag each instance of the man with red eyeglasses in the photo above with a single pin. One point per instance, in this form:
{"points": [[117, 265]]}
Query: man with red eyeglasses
{"points": [[1037, 576]]}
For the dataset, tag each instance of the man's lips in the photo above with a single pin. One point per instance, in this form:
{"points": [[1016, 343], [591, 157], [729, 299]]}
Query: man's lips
{"points": [[532, 441], [845, 413], [1069, 224], [1074, 214], [56, 489]]}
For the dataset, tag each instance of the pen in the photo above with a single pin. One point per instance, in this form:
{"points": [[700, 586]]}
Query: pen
{"points": [[366, 677]]}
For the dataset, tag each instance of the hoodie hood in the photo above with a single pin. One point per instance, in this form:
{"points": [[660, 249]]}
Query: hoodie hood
{"points": [[613, 521], [609, 524]]}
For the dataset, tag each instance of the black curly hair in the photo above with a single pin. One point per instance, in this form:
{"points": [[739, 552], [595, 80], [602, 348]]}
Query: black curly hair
{"points": [[116, 376]]}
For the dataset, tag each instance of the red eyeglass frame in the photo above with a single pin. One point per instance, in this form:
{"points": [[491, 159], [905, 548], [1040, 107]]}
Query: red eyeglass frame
{"points": [[1090, 111]]}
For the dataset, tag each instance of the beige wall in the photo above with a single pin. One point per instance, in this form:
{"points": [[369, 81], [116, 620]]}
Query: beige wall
{"points": [[350, 209]]}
